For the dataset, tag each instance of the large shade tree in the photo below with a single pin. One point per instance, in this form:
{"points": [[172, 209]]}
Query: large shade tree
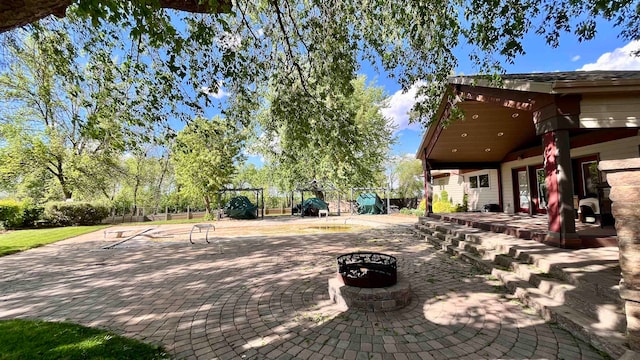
{"points": [[205, 157], [342, 140], [252, 42], [50, 120], [409, 175], [72, 103]]}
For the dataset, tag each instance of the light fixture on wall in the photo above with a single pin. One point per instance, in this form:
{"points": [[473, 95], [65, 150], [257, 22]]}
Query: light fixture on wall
{"points": [[515, 115], [454, 150], [500, 133], [475, 116], [464, 135], [487, 150]]}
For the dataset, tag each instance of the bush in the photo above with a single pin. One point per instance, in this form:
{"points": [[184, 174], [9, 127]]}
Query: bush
{"points": [[208, 217], [75, 213], [442, 204], [465, 204], [442, 207], [423, 205], [10, 214], [31, 213], [415, 212]]}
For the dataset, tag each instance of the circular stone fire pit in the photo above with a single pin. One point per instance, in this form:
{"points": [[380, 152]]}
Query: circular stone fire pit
{"points": [[368, 269], [369, 281]]}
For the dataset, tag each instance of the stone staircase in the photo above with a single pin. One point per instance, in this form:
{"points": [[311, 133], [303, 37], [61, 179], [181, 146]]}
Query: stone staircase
{"points": [[577, 289]]}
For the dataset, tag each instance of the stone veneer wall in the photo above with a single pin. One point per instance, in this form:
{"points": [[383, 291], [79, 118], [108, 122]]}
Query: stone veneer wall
{"points": [[624, 178]]}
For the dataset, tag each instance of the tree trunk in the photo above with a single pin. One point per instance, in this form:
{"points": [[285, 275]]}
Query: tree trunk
{"points": [[207, 204], [65, 187], [136, 185], [18, 13], [158, 192], [63, 181], [135, 196]]}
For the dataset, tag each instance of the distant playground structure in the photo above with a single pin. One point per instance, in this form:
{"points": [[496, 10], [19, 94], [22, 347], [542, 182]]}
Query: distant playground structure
{"points": [[239, 206], [309, 199], [318, 203], [368, 201]]}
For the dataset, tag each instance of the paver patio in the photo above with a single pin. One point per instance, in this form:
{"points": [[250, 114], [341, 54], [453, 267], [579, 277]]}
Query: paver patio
{"points": [[266, 297]]}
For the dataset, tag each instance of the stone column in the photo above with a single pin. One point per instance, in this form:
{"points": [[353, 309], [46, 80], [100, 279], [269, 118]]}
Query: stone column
{"points": [[429, 204], [559, 181], [428, 189], [624, 178]]}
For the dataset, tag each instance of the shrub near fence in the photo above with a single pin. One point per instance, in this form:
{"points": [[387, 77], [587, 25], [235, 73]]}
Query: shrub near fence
{"points": [[75, 213], [10, 214]]}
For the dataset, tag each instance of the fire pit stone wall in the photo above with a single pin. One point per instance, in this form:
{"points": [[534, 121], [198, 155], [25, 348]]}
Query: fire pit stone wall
{"points": [[389, 298], [369, 281]]}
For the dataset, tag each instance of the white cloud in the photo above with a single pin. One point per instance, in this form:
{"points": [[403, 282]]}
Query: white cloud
{"points": [[618, 59], [575, 58], [218, 94], [399, 106]]}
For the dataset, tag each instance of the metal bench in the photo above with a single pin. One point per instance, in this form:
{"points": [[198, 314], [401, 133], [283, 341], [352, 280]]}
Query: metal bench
{"points": [[200, 227], [118, 232]]}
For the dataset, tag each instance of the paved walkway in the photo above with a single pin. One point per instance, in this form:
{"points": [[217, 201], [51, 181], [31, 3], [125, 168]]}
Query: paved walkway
{"points": [[266, 298]]}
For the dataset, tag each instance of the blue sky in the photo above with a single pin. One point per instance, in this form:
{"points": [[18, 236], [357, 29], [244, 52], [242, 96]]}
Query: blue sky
{"points": [[606, 52]]}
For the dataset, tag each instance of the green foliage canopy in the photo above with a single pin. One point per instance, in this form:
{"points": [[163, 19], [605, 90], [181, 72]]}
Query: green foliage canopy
{"points": [[116, 70], [50, 119], [342, 140], [205, 154], [260, 41], [410, 180]]}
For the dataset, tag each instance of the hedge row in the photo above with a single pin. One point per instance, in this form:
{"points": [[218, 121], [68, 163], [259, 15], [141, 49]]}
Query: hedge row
{"points": [[75, 213], [15, 214]]}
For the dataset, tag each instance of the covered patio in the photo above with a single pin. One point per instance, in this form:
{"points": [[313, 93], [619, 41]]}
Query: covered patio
{"points": [[544, 143], [533, 144], [530, 227], [527, 227]]}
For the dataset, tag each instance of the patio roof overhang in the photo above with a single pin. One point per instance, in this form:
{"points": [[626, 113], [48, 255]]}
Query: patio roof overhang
{"points": [[504, 122], [486, 135]]}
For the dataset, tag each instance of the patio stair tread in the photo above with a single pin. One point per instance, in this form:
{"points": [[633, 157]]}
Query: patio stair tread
{"points": [[564, 286]]}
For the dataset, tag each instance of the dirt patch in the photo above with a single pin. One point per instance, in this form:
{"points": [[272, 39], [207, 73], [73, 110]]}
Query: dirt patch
{"points": [[272, 230]]}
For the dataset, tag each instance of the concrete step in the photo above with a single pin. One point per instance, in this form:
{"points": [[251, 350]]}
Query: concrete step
{"points": [[590, 310], [608, 313], [504, 249]]}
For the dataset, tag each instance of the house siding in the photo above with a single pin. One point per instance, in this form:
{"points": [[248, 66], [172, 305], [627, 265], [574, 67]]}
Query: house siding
{"points": [[479, 197], [600, 111], [452, 184], [456, 185], [611, 150]]}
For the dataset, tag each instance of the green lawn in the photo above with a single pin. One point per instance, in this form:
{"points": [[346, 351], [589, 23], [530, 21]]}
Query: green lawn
{"points": [[25, 339], [20, 240]]}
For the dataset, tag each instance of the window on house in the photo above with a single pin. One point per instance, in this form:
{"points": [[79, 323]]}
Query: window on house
{"points": [[590, 178], [484, 181], [479, 181]]}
